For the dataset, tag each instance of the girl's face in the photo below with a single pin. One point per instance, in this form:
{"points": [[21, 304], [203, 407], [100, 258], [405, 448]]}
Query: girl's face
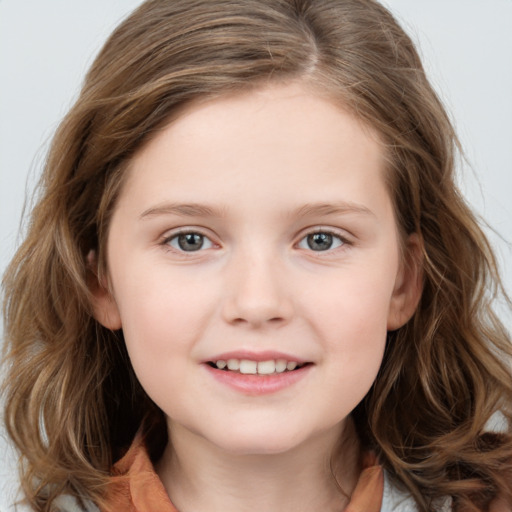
{"points": [[257, 230]]}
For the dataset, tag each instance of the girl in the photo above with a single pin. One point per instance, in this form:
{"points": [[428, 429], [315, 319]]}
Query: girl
{"points": [[250, 282]]}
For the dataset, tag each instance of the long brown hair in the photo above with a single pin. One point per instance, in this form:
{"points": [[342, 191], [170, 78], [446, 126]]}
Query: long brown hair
{"points": [[73, 403]]}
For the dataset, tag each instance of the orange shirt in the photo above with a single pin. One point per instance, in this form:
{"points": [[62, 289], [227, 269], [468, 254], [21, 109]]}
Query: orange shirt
{"points": [[137, 488]]}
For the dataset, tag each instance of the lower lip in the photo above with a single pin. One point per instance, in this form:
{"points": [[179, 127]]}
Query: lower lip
{"points": [[255, 385]]}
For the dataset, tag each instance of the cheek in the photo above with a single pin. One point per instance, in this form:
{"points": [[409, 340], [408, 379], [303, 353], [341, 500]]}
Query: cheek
{"points": [[350, 313], [355, 301], [160, 329], [354, 334], [162, 313]]}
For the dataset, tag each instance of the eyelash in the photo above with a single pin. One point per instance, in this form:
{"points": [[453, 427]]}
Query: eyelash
{"points": [[343, 241], [166, 242]]}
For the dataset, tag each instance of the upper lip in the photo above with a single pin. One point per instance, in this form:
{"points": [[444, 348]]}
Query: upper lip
{"points": [[266, 355]]}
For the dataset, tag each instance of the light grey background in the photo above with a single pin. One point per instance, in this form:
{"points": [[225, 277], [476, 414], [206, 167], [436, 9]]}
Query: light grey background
{"points": [[46, 47]]}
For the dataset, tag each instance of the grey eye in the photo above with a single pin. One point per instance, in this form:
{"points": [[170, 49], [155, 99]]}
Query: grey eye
{"points": [[320, 241], [190, 242]]}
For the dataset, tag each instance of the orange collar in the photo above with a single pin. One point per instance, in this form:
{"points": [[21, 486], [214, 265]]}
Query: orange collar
{"points": [[137, 488]]}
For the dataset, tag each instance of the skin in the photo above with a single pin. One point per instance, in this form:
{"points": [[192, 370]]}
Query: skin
{"points": [[260, 168]]}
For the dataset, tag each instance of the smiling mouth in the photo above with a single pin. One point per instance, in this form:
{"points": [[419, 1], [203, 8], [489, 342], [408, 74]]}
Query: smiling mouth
{"points": [[248, 367]]}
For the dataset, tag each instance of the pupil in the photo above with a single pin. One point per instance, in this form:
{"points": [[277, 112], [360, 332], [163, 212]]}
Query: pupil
{"points": [[190, 241], [319, 241]]}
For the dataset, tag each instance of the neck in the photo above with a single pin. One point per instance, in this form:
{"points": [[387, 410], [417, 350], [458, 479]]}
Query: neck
{"points": [[202, 478]]}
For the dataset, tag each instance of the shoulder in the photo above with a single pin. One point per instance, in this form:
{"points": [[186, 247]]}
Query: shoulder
{"points": [[397, 500]]}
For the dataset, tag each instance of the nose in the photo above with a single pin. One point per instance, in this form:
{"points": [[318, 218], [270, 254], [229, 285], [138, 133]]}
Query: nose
{"points": [[257, 293]]}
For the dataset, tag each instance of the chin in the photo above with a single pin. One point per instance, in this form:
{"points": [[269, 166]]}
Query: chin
{"points": [[266, 441]]}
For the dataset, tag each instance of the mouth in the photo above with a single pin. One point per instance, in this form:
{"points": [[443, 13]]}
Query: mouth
{"points": [[250, 367]]}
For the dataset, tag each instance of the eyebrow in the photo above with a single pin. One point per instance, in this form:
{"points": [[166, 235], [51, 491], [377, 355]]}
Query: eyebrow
{"points": [[202, 210], [181, 209], [337, 208]]}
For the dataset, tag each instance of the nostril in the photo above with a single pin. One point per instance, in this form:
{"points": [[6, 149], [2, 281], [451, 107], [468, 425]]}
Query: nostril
{"points": [[256, 297], [258, 322]]}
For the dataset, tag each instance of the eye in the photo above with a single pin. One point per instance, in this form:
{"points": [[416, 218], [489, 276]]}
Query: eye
{"points": [[321, 241], [189, 242]]}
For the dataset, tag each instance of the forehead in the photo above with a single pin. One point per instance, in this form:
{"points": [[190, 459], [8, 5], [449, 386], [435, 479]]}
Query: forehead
{"points": [[304, 113], [294, 139]]}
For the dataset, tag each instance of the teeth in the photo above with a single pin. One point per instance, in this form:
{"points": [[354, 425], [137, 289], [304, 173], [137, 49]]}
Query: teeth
{"points": [[280, 366], [233, 364], [248, 367], [266, 367]]}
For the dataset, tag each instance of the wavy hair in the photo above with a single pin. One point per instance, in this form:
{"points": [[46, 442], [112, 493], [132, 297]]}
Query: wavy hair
{"points": [[73, 403]]}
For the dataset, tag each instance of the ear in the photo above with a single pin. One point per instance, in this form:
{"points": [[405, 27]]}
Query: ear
{"points": [[104, 306], [408, 284]]}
